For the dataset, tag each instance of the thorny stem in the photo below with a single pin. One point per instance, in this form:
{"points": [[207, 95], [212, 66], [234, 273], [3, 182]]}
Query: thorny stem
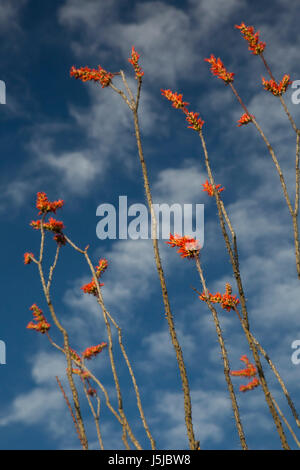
{"points": [[96, 414], [70, 409], [136, 389], [275, 371], [285, 420], [194, 445], [243, 304], [125, 423], [92, 376], [133, 105], [280, 96], [52, 267], [232, 254], [66, 342], [266, 388], [293, 212], [270, 148], [296, 209], [225, 359]]}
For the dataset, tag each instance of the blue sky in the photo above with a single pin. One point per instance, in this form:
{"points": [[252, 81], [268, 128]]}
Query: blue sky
{"points": [[75, 142]]}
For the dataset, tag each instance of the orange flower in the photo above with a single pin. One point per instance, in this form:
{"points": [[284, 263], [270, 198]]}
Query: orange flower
{"points": [[60, 239], [40, 323], [277, 89], [244, 119], [213, 298], [54, 225], [250, 386], [176, 99], [91, 288], [85, 74], [102, 266], [74, 355], [45, 206], [226, 300], [134, 62], [249, 371], [218, 69], [187, 247], [82, 373], [255, 46], [36, 224], [93, 350], [229, 302], [194, 120], [209, 188], [28, 258]]}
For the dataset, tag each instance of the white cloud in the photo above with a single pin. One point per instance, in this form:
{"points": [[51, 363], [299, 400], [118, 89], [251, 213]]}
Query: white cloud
{"points": [[14, 193], [45, 366], [153, 24], [160, 349], [180, 185], [9, 14], [211, 410], [208, 12], [33, 407], [128, 279], [77, 170]]}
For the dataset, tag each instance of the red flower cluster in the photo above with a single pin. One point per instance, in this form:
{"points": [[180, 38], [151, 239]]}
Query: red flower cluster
{"points": [[91, 287], [249, 371], [75, 355], [85, 74], [255, 46], [176, 99], [250, 385], [134, 62], [40, 323], [91, 391], [45, 206], [209, 188], [192, 118], [52, 225], [92, 351], [187, 247], [85, 375], [277, 89], [102, 266], [81, 373], [28, 258], [36, 224], [226, 300], [218, 69], [244, 119], [60, 239]]}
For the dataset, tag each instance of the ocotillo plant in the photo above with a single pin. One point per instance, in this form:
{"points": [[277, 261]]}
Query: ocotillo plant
{"points": [[189, 248]]}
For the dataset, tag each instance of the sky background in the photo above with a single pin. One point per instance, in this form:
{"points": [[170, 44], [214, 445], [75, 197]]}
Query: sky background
{"points": [[76, 142]]}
